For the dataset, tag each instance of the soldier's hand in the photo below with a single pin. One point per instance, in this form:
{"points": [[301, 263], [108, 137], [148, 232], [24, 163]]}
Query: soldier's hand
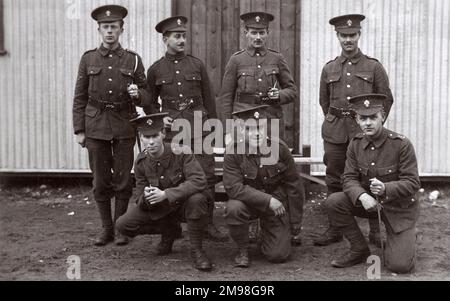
{"points": [[368, 202], [146, 193], [377, 187], [168, 121], [133, 91], [156, 196], [274, 94], [81, 139], [277, 207]]}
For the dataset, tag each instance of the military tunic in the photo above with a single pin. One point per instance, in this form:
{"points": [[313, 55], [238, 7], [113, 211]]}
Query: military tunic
{"points": [[182, 179], [102, 110], [392, 160], [250, 186], [249, 75], [342, 79]]}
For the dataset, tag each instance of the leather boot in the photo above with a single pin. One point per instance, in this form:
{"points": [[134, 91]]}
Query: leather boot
{"points": [[121, 207], [375, 234], [359, 251], [239, 233], [211, 231], [107, 235], [198, 255], [165, 245], [331, 235]]}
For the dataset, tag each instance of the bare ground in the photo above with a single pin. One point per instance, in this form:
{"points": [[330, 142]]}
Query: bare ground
{"points": [[41, 225]]}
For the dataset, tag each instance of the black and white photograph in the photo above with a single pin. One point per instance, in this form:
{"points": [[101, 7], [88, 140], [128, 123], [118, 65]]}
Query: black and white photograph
{"points": [[209, 141]]}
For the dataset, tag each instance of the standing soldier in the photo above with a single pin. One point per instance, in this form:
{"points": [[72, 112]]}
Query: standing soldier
{"points": [[271, 192], [182, 83], [381, 177], [110, 82], [256, 75], [350, 74], [170, 185]]}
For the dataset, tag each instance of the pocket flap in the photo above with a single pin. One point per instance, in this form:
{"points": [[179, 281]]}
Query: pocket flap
{"points": [[164, 80], [177, 178], [384, 171], [248, 171], [363, 170], [246, 72], [333, 77], [91, 111], [193, 76], [92, 70], [366, 76], [276, 169], [127, 72], [272, 71]]}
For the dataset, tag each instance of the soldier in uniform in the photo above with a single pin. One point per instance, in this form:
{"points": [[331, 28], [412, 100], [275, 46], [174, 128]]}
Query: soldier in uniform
{"points": [[381, 170], [271, 192], [110, 82], [256, 75], [182, 83], [350, 74], [170, 185]]}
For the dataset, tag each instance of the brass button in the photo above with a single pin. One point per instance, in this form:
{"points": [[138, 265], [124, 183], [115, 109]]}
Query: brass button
{"points": [[348, 74], [179, 83], [162, 177], [176, 62], [259, 79], [348, 86], [177, 72], [110, 79], [110, 67], [110, 92], [259, 66], [350, 63], [372, 148], [348, 97], [110, 55], [373, 163]]}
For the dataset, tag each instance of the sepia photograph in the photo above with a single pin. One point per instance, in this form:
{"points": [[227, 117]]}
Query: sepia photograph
{"points": [[208, 141]]}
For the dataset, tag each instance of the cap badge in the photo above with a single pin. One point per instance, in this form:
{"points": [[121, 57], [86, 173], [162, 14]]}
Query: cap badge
{"points": [[150, 122], [256, 115], [108, 13], [179, 22], [258, 19], [367, 103], [349, 23]]}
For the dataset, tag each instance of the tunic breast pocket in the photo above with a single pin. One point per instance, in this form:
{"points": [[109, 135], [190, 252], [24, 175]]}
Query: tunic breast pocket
{"points": [[275, 173], [164, 81], [388, 174], [193, 81], [127, 78], [177, 178], [333, 85], [364, 82], [272, 74], [246, 81], [94, 78]]}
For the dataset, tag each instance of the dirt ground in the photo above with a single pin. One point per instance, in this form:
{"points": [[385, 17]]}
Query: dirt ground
{"points": [[44, 222]]}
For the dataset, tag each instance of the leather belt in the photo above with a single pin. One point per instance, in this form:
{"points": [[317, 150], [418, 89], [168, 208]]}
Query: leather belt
{"points": [[254, 99], [181, 104], [107, 105], [342, 113]]}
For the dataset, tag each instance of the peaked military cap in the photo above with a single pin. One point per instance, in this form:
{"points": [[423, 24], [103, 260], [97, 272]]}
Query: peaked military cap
{"points": [[257, 19], [150, 124], [347, 24], [109, 13], [252, 112], [368, 104], [177, 23]]}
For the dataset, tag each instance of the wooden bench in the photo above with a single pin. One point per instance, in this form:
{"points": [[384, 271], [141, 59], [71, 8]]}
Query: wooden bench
{"points": [[302, 162]]}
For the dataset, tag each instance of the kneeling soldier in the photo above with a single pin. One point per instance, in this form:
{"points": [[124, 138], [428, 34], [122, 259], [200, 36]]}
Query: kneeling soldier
{"points": [[170, 185], [273, 193], [381, 177]]}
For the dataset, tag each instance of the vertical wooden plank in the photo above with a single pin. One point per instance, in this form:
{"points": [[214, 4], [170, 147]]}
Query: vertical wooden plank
{"points": [[184, 8], [230, 31], [287, 33], [296, 70], [198, 32], [2, 30], [214, 41], [258, 5], [274, 7], [245, 6]]}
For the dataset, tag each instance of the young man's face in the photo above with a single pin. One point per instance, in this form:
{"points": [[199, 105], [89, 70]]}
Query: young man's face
{"points": [[175, 42], [349, 42], [371, 125], [110, 32], [256, 37], [153, 143], [255, 132]]}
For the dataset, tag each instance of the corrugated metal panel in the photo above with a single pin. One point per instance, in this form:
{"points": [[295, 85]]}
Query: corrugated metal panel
{"points": [[45, 40], [411, 39]]}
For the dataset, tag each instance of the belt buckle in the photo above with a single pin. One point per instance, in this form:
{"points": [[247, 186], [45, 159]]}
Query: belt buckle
{"points": [[182, 104], [110, 106]]}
